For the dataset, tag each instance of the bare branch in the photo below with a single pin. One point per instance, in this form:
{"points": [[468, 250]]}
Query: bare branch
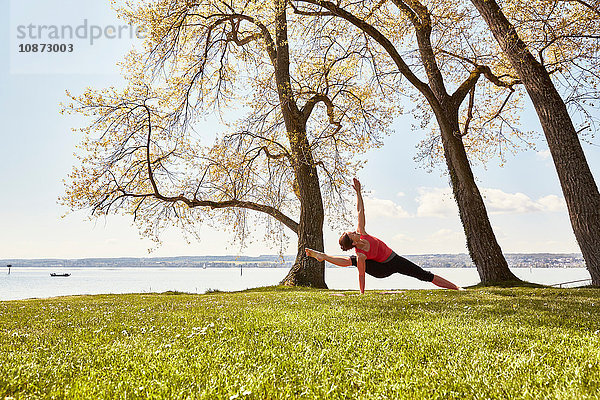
{"points": [[594, 9], [499, 112]]}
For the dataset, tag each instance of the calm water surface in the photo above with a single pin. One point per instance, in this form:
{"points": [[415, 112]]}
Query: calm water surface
{"points": [[23, 283]]}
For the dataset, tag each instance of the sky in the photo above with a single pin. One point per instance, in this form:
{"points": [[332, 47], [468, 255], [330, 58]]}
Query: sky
{"points": [[409, 208]]}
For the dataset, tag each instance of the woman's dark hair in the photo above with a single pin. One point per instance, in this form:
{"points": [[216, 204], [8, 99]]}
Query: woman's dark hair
{"points": [[346, 242]]}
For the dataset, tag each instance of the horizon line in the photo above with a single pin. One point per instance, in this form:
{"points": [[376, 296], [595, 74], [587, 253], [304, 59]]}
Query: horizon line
{"points": [[250, 256]]}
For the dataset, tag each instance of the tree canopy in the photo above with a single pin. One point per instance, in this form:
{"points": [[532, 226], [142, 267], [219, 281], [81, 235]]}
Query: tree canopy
{"points": [[308, 110]]}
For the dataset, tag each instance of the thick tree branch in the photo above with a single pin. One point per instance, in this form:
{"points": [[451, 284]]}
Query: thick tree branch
{"points": [[284, 150], [271, 155], [469, 111], [148, 162], [462, 91], [409, 12], [310, 13], [487, 72], [467, 86], [192, 203], [265, 34], [272, 211], [233, 35], [312, 102], [421, 20]]}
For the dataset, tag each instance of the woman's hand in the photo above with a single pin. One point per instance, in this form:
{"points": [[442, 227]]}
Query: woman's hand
{"points": [[356, 185]]}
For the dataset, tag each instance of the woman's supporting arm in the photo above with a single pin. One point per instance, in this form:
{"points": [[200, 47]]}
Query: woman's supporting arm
{"points": [[361, 266]]}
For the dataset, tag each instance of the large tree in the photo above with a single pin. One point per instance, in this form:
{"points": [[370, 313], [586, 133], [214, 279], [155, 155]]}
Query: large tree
{"points": [[289, 159], [390, 27], [576, 179]]}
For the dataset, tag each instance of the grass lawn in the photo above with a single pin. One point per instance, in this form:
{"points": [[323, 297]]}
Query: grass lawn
{"points": [[274, 343]]}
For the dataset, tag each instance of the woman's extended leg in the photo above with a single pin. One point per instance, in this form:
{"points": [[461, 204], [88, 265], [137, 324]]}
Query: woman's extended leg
{"points": [[441, 282], [339, 261], [406, 267]]}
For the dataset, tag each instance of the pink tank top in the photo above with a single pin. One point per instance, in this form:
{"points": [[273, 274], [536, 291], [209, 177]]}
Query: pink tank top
{"points": [[378, 251]]}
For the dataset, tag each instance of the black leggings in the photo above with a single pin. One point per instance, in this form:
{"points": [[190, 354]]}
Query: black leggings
{"points": [[396, 264]]}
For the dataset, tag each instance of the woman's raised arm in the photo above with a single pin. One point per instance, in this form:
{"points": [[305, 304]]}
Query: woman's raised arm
{"points": [[360, 207]]}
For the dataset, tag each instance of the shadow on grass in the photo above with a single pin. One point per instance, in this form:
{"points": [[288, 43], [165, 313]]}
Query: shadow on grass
{"points": [[508, 284], [281, 288], [528, 304], [174, 293]]}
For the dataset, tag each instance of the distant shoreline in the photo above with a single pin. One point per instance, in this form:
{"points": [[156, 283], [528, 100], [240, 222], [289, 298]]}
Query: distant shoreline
{"points": [[251, 266], [461, 260]]}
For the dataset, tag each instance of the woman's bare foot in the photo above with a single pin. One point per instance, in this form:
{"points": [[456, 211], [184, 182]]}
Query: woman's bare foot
{"points": [[314, 254], [441, 282]]}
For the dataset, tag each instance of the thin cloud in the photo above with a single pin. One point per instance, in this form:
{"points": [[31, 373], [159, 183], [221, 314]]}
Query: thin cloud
{"points": [[435, 202], [439, 202], [377, 208], [544, 154], [553, 203], [500, 202], [402, 238], [447, 239]]}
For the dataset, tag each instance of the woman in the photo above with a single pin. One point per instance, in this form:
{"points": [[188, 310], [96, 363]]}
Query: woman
{"points": [[373, 256]]}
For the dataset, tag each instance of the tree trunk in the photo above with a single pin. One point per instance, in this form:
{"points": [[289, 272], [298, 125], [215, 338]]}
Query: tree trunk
{"points": [[481, 241], [307, 271], [576, 179]]}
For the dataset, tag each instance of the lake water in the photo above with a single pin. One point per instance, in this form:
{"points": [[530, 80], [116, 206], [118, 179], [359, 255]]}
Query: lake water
{"points": [[29, 282]]}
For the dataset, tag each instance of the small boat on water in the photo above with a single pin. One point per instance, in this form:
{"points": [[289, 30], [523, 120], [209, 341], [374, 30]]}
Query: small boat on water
{"points": [[55, 274]]}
